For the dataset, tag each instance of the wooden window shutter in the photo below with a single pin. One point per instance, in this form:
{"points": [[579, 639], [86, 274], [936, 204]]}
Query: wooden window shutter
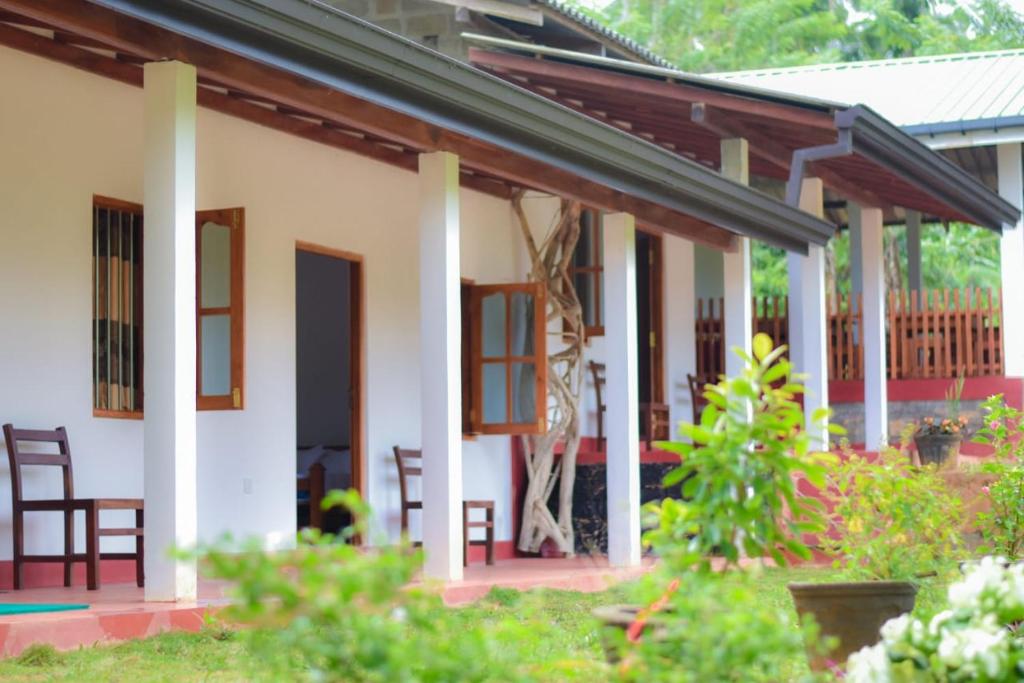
{"points": [[509, 359]]}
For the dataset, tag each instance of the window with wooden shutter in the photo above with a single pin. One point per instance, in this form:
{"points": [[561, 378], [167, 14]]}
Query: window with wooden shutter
{"points": [[116, 308], [220, 329], [509, 359]]}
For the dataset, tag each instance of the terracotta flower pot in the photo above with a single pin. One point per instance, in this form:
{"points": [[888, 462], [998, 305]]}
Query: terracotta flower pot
{"points": [[851, 612], [936, 449]]}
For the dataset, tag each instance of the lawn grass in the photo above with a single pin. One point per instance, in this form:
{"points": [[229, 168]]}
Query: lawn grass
{"points": [[215, 655]]}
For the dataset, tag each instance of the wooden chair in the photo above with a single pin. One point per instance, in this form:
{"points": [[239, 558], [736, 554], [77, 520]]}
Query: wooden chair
{"points": [[410, 463], [68, 505], [654, 417], [313, 484], [697, 398]]}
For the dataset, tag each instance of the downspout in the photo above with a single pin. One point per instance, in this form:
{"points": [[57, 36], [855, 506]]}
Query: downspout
{"points": [[842, 147]]}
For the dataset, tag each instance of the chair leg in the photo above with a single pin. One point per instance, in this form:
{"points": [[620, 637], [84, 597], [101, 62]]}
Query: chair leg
{"points": [[140, 555], [465, 535], [18, 534], [92, 548], [69, 546], [490, 535]]}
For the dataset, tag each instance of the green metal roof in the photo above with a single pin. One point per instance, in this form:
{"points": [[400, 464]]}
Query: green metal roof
{"points": [[945, 93]]}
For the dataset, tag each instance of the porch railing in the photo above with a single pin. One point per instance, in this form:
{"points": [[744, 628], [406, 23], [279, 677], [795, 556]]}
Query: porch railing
{"points": [[930, 333]]}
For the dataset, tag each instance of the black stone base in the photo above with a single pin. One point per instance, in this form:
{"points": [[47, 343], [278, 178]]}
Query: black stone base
{"points": [[590, 502]]}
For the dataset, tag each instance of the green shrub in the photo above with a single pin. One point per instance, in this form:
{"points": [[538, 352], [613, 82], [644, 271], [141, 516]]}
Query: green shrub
{"points": [[739, 470], [893, 521]]}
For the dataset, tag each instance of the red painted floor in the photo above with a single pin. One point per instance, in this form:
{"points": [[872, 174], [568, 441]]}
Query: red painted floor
{"points": [[117, 612]]}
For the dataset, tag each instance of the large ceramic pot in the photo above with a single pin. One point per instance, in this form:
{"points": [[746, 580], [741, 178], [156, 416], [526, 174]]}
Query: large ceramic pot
{"points": [[937, 449], [851, 612]]}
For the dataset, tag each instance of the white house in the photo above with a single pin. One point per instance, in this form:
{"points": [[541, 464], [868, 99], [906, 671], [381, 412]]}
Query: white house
{"points": [[172, 172]]}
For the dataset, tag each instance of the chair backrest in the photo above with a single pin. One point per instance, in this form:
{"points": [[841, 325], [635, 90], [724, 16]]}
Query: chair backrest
{"points": [[597, 371], [410, 464], [19, 458], [697, 398]]}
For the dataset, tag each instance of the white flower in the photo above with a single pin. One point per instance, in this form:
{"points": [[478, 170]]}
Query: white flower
{"points": [[869, 665], [896, 629], [976, 650]]}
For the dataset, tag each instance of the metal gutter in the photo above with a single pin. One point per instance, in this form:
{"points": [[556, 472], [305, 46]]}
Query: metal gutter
{"points": [[996, 123], [842, 147], [877, 139], [317, 42], [671, 74]]}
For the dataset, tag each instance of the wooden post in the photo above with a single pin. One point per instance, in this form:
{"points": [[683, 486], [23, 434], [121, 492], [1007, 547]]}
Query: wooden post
{"points": [[876, 403], [806, 312], [621, 381], [169, 426], [913, 222], [738, 331], [440, 364]]}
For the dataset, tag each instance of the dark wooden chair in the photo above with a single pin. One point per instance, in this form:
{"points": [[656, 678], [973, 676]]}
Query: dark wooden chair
{"points": [[697, 398], [410, 463], [655, 424], [313, 484], [68, 505]]}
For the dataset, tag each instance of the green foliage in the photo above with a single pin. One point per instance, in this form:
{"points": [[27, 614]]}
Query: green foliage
{"points": [[1002, 429], [710, 629], [727, 35], [892, 521], [1003, 525], [738, 471], [329, 611], [39, 655]]}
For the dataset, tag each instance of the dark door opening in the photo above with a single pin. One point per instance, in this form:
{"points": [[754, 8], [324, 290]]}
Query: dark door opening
{"points": [[648, 321], [327, 365]]}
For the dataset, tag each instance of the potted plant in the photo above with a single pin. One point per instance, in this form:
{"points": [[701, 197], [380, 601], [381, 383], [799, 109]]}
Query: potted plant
{"points": [[891, 526], [938, 441], [737, 483]]}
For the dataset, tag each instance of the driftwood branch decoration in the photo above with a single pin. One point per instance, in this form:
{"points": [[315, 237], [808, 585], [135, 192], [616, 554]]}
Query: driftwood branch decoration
{"points": [[550, 263]]}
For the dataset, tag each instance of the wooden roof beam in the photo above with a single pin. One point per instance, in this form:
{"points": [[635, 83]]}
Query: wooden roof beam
{"points": [[723, 125]]}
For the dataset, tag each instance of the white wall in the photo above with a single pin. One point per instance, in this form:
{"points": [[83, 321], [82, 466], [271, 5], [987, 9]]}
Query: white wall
{"points": [[66, 135]]}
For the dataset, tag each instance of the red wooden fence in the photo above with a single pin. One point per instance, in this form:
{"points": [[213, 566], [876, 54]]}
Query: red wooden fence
{"points": [[929, 333]]}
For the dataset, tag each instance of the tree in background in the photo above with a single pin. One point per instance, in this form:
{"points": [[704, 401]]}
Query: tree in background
{"points": [[728, 35]]}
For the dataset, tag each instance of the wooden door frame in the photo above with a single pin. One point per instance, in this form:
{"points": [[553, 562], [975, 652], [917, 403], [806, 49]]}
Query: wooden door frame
{"points": [[357, 353]]}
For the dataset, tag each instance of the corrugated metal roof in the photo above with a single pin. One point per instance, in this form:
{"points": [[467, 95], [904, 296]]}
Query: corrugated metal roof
{"points": [[917, 91], [580, 18]]}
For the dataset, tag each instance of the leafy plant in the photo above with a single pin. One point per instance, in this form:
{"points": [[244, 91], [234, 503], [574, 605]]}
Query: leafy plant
{"points": [[712, 630], [1002, 429], [328, 611], [976, 639], [891, 520], [738, 474], [1002, 526]]}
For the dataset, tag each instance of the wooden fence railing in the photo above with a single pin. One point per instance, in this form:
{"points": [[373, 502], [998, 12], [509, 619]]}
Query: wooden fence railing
{"points": [[934, 333]]}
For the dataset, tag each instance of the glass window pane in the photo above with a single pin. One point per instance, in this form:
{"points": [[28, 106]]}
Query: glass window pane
{"points": [[493, 325], [216, 350], [215, 265], [522, 324], [524, 395], [494, 397], [583, 256]]}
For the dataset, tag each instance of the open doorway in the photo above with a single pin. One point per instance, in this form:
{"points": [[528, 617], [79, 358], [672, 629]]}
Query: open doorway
{"points": [[328, 334], [654, 412]]}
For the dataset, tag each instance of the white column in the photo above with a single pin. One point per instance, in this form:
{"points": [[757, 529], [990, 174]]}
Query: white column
{"points": [[739, 326], [1011, 188], [680, 326], [876, 402], [807, 321], [622, 418], [914, 250], [440, 365], [169, 427]]}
